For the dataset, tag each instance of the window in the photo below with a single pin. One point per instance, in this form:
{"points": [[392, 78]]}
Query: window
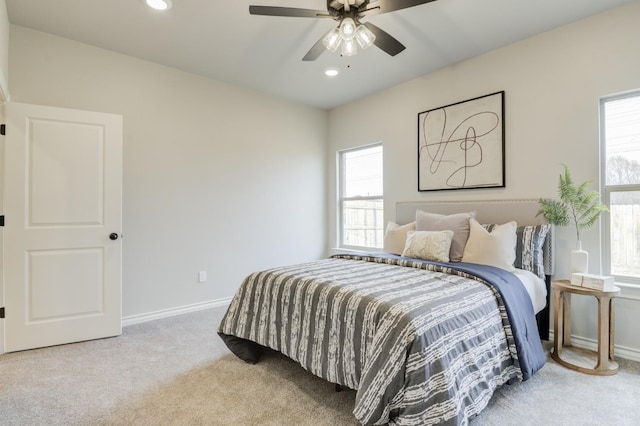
{"points": [[620, 124], [361, 197]]}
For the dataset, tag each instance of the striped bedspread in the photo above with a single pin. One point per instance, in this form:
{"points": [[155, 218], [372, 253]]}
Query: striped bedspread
{"points": [[420, 342]]}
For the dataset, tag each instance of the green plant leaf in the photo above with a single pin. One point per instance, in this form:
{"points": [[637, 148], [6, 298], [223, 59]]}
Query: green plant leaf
{"points": [[577, 205]]}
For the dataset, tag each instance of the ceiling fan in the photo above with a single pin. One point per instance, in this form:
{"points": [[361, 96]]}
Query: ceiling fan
{"points": [[350, 32]]}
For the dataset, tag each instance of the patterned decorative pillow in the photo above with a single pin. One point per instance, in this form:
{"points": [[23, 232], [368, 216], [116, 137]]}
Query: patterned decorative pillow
{"points": [[529, 247], [428, 245]]}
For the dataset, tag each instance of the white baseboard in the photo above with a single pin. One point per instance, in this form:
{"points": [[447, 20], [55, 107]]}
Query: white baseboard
{"points": [[625, 352], [166, 313]]}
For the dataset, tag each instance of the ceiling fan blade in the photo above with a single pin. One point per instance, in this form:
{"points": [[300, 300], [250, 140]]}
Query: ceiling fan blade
{"points": [[315, 51], [288, 11], [385, 6], [384, 40]]}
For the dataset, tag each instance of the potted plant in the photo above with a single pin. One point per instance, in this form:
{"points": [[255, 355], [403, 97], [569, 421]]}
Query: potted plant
{"points": [[577, 206]]}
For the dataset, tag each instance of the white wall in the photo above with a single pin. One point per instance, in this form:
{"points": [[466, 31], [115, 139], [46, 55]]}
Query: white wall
{"points": [[216, 177], [4, 52], [4, 97], [553, 83]]}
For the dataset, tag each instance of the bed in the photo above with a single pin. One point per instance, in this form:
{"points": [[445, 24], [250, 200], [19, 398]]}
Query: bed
{"points": [[421, 340]]}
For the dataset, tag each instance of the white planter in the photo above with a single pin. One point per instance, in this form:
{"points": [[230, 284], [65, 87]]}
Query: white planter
{"points": [[579, 260]]}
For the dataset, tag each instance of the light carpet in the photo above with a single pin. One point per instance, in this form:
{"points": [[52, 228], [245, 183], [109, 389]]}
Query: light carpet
{"points": [[177, 371]]}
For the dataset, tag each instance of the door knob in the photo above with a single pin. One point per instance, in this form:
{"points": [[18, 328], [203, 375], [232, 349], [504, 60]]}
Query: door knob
{"points": [[113, 236]]}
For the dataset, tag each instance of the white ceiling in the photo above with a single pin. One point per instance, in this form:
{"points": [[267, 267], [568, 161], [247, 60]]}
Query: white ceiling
{"points": [[219, 39]]}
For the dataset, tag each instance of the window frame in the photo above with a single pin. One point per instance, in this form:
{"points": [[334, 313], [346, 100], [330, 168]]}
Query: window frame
{"points": [[341, 167], [607, 190]]}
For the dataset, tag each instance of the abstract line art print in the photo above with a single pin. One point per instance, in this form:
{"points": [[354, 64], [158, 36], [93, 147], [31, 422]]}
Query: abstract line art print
{"points": [[461, 146]]}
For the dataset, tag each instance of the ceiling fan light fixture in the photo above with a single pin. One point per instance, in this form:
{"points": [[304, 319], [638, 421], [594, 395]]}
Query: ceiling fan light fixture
{"points": [[349, 47], [332, 40], [159, 4], [347, 28], [365, 37], [348, 13]]}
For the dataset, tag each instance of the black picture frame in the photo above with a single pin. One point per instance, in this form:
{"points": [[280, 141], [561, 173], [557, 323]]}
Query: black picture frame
{"points": [[461, 145]]}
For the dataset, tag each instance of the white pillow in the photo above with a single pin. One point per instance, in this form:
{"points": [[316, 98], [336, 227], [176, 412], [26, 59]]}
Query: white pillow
{"points": [[396, 237], [428, 245], [497, 248]]}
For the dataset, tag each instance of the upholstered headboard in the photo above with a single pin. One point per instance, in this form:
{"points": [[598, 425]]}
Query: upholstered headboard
{"points": [[488, 211]]}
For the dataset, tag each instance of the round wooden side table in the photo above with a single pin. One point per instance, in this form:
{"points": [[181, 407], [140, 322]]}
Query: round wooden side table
{"points": [[601, 362]]}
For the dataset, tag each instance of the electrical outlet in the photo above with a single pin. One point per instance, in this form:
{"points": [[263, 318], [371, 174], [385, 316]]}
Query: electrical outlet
{"points": [[202, 276]]}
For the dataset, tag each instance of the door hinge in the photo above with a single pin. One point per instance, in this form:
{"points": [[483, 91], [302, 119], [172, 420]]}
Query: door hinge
{"points": [[1, 313], [2, 220], [3, 129]]}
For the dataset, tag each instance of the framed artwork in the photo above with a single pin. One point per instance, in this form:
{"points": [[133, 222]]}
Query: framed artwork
{"points": [[461, 146]]}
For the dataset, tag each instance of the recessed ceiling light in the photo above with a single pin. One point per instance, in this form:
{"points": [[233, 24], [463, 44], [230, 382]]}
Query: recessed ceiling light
{"points": [[331, 72], [159, 4]]}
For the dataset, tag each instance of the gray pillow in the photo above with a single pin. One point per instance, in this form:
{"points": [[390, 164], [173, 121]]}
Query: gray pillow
{"points": [[458, 223]]}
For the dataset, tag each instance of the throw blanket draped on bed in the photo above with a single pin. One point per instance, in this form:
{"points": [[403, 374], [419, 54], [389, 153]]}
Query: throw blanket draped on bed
{"points": [[420, 342]]}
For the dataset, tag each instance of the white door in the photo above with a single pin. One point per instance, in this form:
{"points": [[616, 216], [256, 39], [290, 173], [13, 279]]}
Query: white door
{"points": [[63, 220]]}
